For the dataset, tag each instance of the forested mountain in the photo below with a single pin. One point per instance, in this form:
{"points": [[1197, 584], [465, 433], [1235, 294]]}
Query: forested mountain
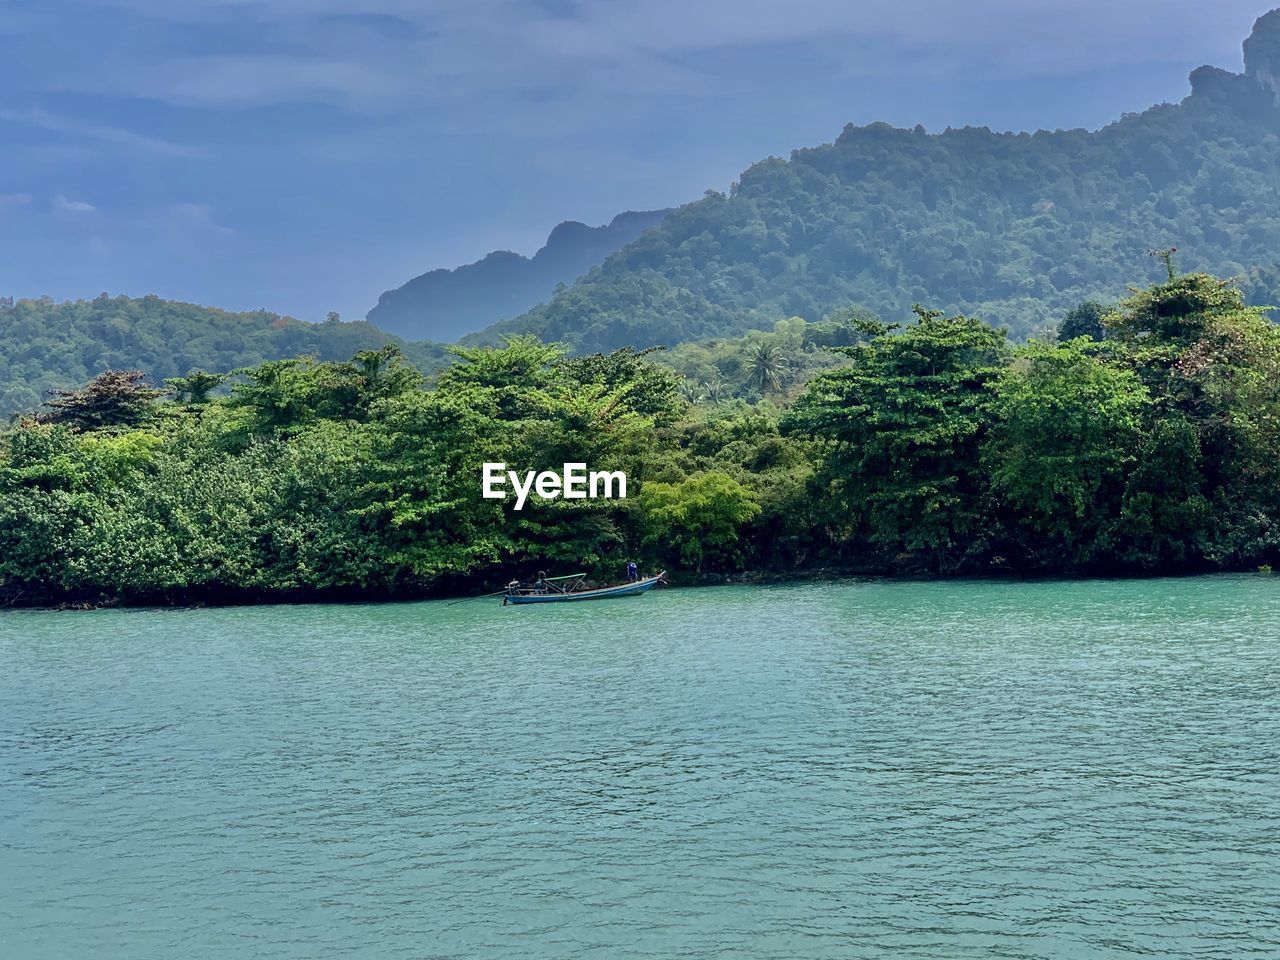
{"points": [[445, 304], [46, 345], [1014, 228]]}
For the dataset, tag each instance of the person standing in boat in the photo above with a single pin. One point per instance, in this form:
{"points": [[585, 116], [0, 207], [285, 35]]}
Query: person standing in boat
{"points": [[633, 572]]}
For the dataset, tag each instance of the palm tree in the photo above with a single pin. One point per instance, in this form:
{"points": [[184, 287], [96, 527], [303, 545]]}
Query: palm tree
{"points": [[689, 392], [713, 390], [766, 367]]}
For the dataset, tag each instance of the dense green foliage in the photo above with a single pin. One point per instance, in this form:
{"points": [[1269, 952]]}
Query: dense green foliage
{"points": [[1014, 228], [46, 345], [322, 477], [772, 365], [1084, 321], [1155, 450], [902, 427], [935, 447], [1063, 428]]}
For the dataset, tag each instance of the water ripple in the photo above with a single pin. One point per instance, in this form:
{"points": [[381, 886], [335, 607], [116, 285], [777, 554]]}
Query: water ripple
{"points": [[1086, 770]]}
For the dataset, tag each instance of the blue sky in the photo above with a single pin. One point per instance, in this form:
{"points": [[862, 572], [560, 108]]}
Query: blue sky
{"points": [[304, 155]]}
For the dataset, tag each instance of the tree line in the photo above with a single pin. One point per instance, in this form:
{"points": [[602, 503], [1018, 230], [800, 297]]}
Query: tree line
{"points": [[1144, 439], [48, 345]]}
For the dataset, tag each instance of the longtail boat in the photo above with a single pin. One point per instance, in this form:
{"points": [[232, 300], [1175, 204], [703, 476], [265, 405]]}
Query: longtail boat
{"points": [[570, 588]]}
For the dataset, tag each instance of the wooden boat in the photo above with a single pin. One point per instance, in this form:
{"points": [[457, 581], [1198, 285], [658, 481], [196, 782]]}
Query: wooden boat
{"points": [[569, 588]]}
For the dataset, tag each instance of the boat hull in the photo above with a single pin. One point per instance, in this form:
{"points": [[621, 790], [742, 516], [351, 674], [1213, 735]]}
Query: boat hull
{"points": [[603, 593]]}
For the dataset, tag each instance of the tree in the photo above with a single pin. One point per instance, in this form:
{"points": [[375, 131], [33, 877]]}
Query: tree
{"points": [[1066, 427], [350, 390], [646, 388], [1084, 320], [698, 519], [1165, 513], [194, 389], [900, 430], [116, 398], [1212, 363], [277, 395], [766, 367], [1178, 312]]}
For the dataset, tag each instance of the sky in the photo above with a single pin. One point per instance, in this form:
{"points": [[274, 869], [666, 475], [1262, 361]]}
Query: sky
{"points": [[305, 155]]}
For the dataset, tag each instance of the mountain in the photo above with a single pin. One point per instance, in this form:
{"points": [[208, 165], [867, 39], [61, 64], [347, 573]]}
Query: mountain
{"points": [[1013, 227], [46, 345], [445, 304]]}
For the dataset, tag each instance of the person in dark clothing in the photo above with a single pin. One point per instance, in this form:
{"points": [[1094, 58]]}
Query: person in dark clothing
{"points": [[633, 572]]}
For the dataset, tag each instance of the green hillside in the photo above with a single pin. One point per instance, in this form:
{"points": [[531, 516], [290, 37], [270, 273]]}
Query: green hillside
{"points": [[1014, 228], [46, 345]]}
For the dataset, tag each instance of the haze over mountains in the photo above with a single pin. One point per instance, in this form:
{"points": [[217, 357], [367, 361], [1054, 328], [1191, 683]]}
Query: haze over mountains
{"points": [[446, 304], [1013, 228]]}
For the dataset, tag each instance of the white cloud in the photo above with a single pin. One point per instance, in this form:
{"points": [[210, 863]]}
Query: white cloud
{"points": [[62, 205], [14, 200], [44, 120], [372, 56], [510, 33]]}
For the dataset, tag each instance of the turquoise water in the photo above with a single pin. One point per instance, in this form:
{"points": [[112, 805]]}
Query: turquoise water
{"points": [[842, 770]]}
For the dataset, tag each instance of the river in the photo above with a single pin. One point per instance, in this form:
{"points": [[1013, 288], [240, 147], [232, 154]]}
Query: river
{"points": [[839, 770]]}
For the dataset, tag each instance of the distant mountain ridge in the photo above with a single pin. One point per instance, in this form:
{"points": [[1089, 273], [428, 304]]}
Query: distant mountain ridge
{"points": [[1015, 228], [443, 305]]}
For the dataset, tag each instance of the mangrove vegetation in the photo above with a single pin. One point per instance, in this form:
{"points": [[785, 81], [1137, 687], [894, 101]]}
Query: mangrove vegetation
{"points": [[1148, 443]]}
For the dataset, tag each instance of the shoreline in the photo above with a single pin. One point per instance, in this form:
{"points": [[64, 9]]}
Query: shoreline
{"points": [[826, 574]]}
